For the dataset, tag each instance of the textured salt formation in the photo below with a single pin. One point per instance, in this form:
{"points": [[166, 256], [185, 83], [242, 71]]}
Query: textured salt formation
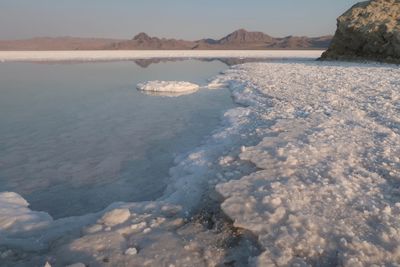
{"points": [[22, 228], [168, 87], [151, 234], [369, 30], [16, 216], [327, 192]]}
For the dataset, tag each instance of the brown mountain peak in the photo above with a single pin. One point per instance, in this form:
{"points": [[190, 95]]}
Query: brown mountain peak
{"points": [[241, 31], [244, 36], [142, 36]]}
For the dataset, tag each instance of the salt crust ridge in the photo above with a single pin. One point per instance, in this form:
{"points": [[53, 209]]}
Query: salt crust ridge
{"points": [[325, 137], [327, 192]]}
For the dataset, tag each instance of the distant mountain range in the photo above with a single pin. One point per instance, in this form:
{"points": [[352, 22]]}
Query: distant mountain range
{"points": [[238, 40]]}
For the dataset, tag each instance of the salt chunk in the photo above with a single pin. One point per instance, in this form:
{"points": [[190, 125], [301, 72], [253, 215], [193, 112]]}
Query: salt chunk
{"points": [[138, 226], [387, 210], [93, 229], [116, 217], [276, 202], [343, 241], [131, 251]]}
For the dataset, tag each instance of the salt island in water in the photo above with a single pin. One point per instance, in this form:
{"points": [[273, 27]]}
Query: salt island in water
{"points": [[168, 88]]}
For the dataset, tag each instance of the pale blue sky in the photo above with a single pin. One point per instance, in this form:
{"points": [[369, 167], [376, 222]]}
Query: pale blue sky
{"points": [[167, 18]]}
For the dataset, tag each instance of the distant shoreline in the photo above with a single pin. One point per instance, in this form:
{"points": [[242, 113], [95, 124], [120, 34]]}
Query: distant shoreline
{"points": [[105, 55]]}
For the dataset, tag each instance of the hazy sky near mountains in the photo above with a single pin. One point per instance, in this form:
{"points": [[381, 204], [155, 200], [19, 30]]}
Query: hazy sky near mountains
{"points": [[167, 18]]}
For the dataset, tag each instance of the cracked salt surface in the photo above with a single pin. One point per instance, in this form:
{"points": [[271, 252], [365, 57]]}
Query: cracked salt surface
{"points": [[325, 139]]}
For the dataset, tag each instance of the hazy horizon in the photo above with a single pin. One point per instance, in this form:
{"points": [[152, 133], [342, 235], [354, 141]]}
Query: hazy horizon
{"points": [[191, 20]]}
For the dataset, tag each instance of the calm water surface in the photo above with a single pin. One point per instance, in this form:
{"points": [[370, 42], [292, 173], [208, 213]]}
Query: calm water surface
{"points": [[76, 137]]}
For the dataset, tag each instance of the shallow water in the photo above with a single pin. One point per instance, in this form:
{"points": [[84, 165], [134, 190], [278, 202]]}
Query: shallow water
{"points": [[77, 137]]}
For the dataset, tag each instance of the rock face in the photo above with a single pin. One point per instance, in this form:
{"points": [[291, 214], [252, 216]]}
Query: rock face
{"points": [[369, 30]]}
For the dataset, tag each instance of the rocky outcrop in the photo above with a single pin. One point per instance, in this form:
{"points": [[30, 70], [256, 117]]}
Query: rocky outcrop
{"points": [[369, 30]]}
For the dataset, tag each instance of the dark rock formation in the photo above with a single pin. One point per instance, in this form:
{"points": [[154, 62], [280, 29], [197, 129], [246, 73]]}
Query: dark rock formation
{"points": [[369, 30]]}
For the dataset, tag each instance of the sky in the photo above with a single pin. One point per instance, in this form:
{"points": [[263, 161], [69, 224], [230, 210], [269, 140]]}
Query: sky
{"points": [[186, 19]]}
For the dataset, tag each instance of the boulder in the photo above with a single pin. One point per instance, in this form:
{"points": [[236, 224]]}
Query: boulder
{"points": [[369, 30]]}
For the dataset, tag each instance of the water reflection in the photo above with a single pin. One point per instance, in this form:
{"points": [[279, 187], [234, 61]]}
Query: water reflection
{"points": [[145, 63]]}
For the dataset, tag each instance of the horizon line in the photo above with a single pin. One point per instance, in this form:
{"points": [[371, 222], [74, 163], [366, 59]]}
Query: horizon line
{"points": [[150, 35]]}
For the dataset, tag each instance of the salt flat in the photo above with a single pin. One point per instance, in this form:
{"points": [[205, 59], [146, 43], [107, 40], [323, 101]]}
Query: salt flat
{"points": [[146, 54]]}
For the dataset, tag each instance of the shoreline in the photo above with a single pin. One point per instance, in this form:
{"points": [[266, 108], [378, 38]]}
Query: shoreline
{"points": [[316, 198], [189, 198], [107, 55]]}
